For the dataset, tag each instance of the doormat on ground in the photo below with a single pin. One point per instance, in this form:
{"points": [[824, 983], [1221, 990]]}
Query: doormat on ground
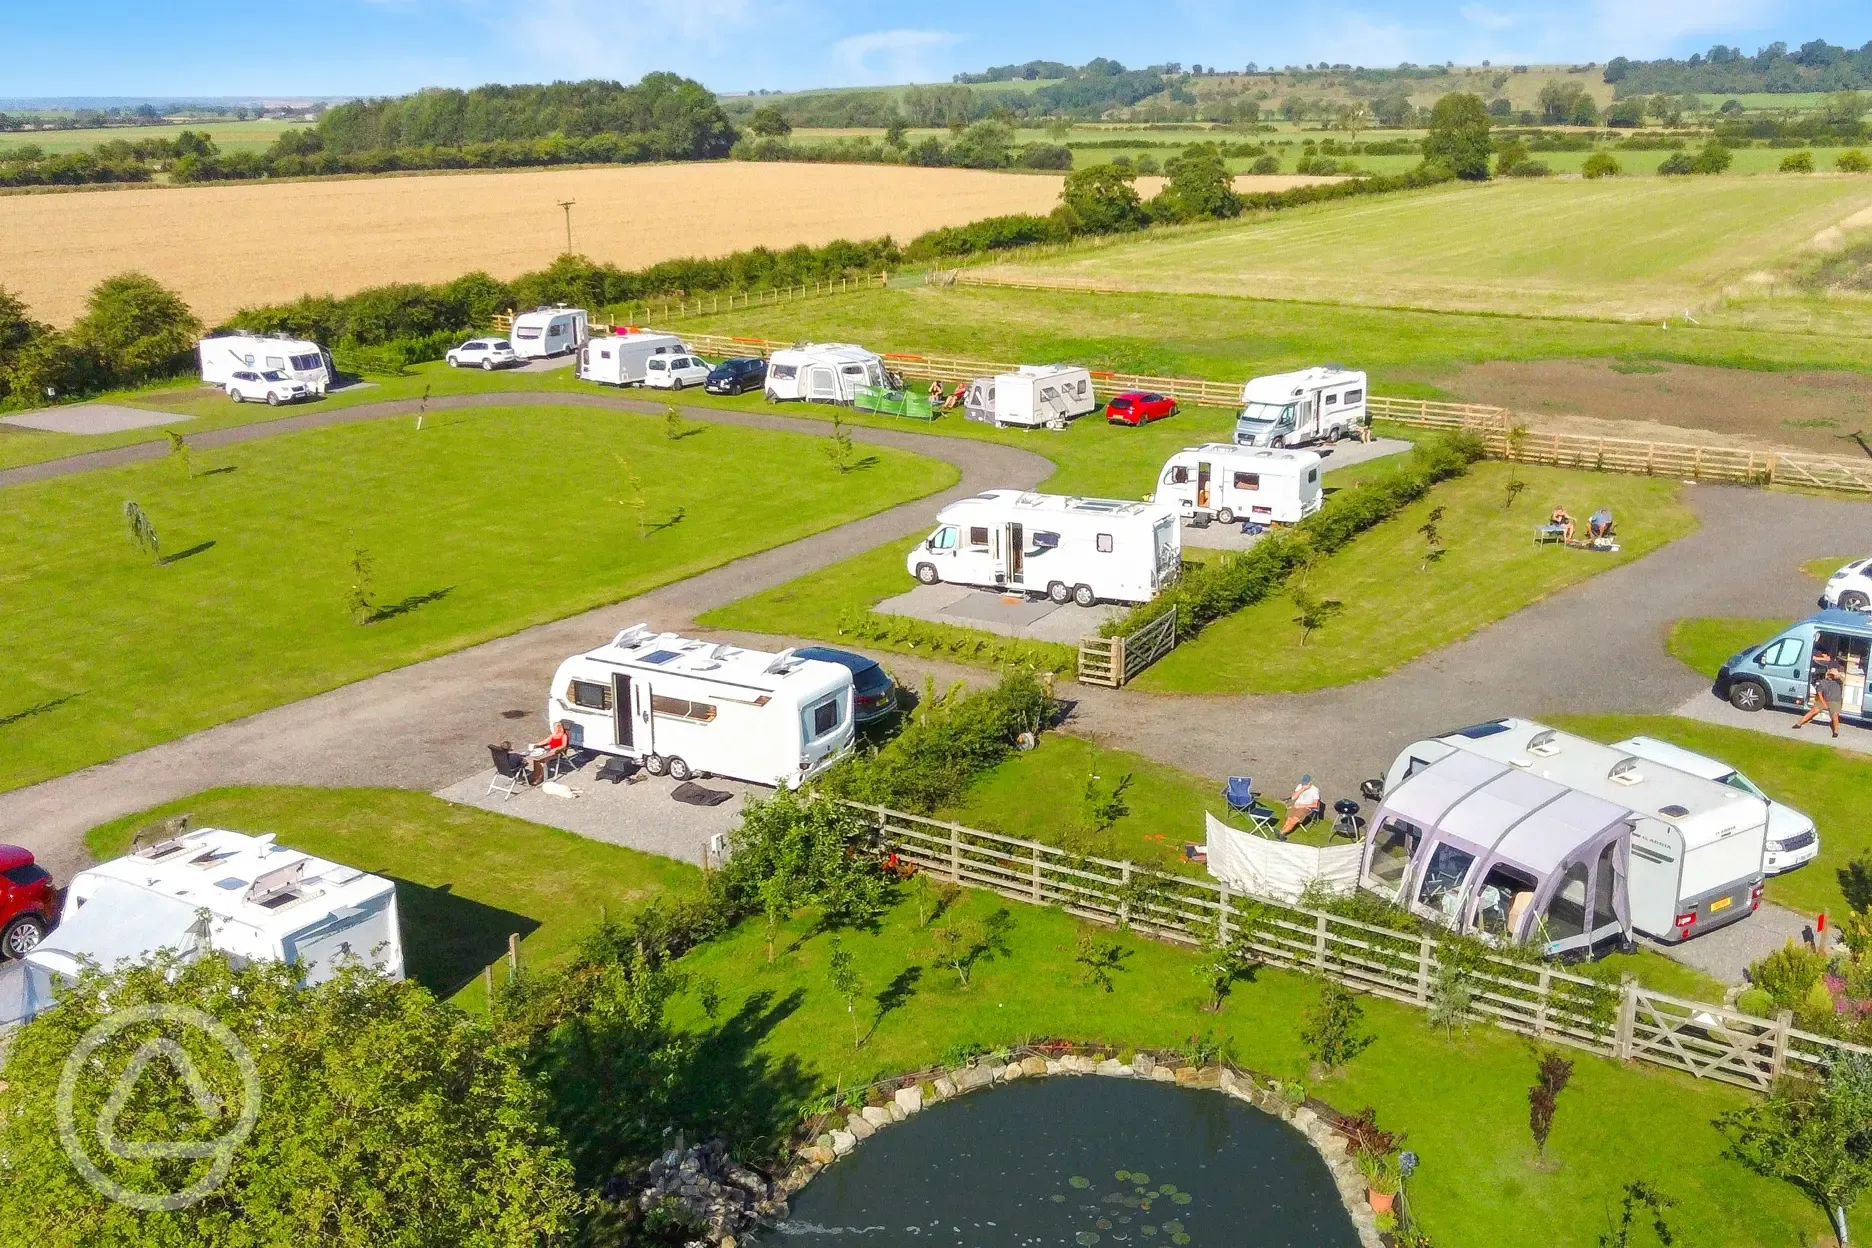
{"points": [[695, 795]]}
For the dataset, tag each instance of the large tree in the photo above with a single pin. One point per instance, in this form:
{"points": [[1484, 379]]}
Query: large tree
{"points": [[382, 1117], [17, 331], [1813, 1133], [1100, 199], [1459, 136], [1200, 187], [136, 328]]}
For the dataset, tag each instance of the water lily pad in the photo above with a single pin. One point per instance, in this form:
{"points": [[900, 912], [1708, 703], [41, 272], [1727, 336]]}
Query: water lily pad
{"points": [[1179, 1238], [1182, 1198], [1173, 1228], [1079, 1180], [1139, 1177], [1086, 1237], [1147, 1230], [1122, 1175], [1103, 1224], [1057, 1199]]}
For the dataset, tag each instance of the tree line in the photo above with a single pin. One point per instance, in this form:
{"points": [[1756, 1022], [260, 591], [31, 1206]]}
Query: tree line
{"points": [[1814, 66]]}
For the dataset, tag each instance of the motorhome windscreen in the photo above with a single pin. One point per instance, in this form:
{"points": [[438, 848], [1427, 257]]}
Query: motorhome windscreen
{"points": [[1267, 413]]}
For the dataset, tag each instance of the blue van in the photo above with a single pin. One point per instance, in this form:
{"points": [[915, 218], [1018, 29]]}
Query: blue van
{"points": [[1777, 672]]}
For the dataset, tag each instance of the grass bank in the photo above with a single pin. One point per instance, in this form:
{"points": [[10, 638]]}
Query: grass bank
{"points": [[1705, 642], [484, 522]]}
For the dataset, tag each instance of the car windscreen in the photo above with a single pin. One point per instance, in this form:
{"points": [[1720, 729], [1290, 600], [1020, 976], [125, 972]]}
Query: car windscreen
{"points": [[275, 375]]}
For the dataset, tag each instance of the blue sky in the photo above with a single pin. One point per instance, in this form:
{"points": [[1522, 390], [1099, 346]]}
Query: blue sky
{"points": [[216, 47]]}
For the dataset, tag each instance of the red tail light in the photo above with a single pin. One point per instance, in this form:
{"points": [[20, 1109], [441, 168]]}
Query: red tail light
{"points": [[1686, 920], [1755, 896]]}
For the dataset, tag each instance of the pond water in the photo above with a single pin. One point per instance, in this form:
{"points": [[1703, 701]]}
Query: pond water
{"points": [[1076, 1161]]}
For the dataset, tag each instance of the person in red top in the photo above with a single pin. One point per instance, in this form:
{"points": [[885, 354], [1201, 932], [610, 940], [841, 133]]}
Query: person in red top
{"points": [[554, 744]]}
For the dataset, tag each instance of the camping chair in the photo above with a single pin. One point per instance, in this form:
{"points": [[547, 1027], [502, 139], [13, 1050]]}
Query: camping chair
{"points": [[1545, 533], [510, 772], [1240, 795]]}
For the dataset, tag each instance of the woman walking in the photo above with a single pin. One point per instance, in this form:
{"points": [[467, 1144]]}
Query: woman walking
{"points": [[1829, 690]]}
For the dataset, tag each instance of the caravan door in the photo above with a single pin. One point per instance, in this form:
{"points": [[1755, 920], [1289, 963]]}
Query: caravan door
{"points": [[1202, 483], [822, 384], [1014, 556], [621, 710]]}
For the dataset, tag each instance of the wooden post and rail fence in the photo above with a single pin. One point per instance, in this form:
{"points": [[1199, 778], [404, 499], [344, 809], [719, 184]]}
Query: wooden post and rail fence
{"points": [[677, 305], [1626, 1021]]}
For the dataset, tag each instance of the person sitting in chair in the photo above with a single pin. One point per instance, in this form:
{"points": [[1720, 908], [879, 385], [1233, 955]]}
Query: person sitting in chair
{"points": [[955, 396], [554, 744], [1303, 805], [1565, 523], [936, 393], [1599, 524]]}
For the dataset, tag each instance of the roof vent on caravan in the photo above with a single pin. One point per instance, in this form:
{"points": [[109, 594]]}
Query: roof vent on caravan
{"points": [[278, 887], [783, 663], [1546, 744], [631, 637], [1674, 810], [1625, 771]]}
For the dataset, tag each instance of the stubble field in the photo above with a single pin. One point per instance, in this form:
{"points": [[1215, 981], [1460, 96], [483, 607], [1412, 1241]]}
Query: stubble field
{"points": [[228, 246]]}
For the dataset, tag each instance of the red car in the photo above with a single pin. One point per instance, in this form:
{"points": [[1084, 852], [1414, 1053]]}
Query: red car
{"points": [[28, 902], [1138, 407]]}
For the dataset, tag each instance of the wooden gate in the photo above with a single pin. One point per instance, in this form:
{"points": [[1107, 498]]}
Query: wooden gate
{"points": [[1113, 661]]}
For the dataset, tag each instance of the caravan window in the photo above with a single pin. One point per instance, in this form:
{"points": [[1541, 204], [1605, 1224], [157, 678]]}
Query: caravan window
{"points": [[527, 332], [852, 370], [1566, 913], [1046, 541], [1312, 474], [1443, 879], [978, 536], [304, 362], [1247, 480], [682, 708], [1353, 396], [276, 362], [1397, 845], [1178, 475], [1332, 400], [1104, 543], [1501, 901], [589, 695], [824, 716], [554, 330], [782, 372]]}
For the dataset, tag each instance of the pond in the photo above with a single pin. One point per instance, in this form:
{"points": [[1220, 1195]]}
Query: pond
{"points": [[1074, 1161]]}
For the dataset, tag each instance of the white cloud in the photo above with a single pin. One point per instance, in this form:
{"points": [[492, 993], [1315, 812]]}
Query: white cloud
{"points": [[576, 39], [891, 56], [1654, 27], [1486, 19]]}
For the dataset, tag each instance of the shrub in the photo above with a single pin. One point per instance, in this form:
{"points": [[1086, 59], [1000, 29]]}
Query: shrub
{"points": [[1331, 1027], [1530, 169], [1852, 160], [1265, 165], [1046, 156], [1677, 164], [1602, 165], [1797, 162], [1714, 158]]}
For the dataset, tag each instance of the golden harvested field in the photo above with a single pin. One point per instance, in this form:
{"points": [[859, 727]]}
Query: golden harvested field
{"points": [[227, 246]]}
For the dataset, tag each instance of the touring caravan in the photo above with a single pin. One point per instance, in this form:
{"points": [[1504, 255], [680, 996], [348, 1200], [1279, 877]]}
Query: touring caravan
{"points": [[1778, 672], [1083, 550], [212, 890], [305, 362], [1230, 483], [1696, 845], [822, 372], [547, 332], [1320, 404], [619, 360], [1032, 396], [688, 708]]}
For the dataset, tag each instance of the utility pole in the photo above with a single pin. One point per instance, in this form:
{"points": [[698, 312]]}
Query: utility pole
{"points": [[567, 205]]}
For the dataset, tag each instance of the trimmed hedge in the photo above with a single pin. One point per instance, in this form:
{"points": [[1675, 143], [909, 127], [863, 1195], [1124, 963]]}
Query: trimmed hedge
{"points": [[1207, 592]]}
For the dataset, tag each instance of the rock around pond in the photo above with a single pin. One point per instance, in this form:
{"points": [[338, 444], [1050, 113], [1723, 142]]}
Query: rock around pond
{"points": [[1077, 1162]]}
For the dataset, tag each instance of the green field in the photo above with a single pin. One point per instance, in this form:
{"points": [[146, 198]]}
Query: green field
{"points": [[228, 135], [1619, 248], [466, 879], [482, 523], [1398, 606]]}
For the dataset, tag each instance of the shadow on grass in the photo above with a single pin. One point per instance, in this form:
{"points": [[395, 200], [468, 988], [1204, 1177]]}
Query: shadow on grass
{"points": [[730, 1087], [216, 472], [391, 610], [676, 518], [895, 996], [448, 940], [190, 553], [40, 708]]}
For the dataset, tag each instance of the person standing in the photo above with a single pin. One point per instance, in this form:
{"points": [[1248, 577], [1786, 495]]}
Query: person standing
{"points": [[1828, 690]]}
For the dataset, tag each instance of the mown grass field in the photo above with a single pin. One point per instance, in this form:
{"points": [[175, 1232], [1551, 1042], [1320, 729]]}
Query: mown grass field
{"points": [[1398, 606], [112, 651], [1645, 248], [228, 135], [1705, 642]]}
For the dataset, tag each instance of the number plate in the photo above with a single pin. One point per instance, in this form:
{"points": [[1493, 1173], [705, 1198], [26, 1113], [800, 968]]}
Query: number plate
{"points": [[1721, 903]]}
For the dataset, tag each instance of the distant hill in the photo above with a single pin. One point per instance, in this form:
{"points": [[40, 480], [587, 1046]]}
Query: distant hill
{"points": [[1814, 66]]}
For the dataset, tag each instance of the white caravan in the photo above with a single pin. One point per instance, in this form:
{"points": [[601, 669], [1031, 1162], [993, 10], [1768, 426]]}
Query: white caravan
{"points": [[1083, 550], [1033, 395], [623, 359], [546, 332], [1793, 838], [822, 372], [305, 362], [689, 708], [1696, 844], [1291, 409], [211, 890], [1230, 483]]}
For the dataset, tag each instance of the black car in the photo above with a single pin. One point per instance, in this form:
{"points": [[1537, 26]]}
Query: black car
{"points": [[736, 376], [873, 694]]}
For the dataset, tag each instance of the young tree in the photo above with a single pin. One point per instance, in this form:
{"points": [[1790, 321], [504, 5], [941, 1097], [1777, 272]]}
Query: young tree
{"points": [[1813, 1133], [894, 133], [1639, 1195], [843, 977], [838, 447], [1227, 959], [1433, 538], [1331, 1026], [1315, 612], [1100, 199], [1459, 136], [673, 423], [359, 598], [137, 328], [179, 451], [1550, 1080], [142, 530], [1098, 958]]}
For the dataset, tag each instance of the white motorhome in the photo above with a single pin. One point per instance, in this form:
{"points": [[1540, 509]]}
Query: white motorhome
{"points": [[1696, 844], [1032, 396], [1083, 550], [822, 372], [620, 359], [688, 708], [1230, 483], [547, 332], [305, 362], [212, 890], [1320, 404]]}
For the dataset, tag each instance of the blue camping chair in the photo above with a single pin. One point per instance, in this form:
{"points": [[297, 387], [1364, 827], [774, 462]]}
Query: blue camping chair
{"points": [[1239, 794]]}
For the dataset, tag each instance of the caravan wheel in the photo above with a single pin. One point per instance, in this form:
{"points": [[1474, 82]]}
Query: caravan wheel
{"points": [[926, 573], [678, 769], [1059, 594], [1225, 516], [1084, 596], [655, 764]]}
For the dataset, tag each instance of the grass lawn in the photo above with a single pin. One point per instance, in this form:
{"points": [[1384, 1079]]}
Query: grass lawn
{"points": [[1463, 1101], [1396, 608], [1706, 642], [466, 879], [1624, 247], [1828, 784], [1822, 570], [111, 651]]}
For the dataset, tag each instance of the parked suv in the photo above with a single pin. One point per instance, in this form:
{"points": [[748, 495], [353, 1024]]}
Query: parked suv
{"points": [[28, 902], [486, 353], [1850, 588], [673, 372], [873, 694], [737, 376], [273, 386]]}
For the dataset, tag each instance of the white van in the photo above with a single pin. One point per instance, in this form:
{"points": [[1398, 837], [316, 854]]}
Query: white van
{"points": [[687, 708], [623, 359], [546, 332], [1793, 838], [822, 372], [1083, 550], [304, 362], [1321, 404], [1032, 396], [1230, 483], [1696, 845], [212, 890]]}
